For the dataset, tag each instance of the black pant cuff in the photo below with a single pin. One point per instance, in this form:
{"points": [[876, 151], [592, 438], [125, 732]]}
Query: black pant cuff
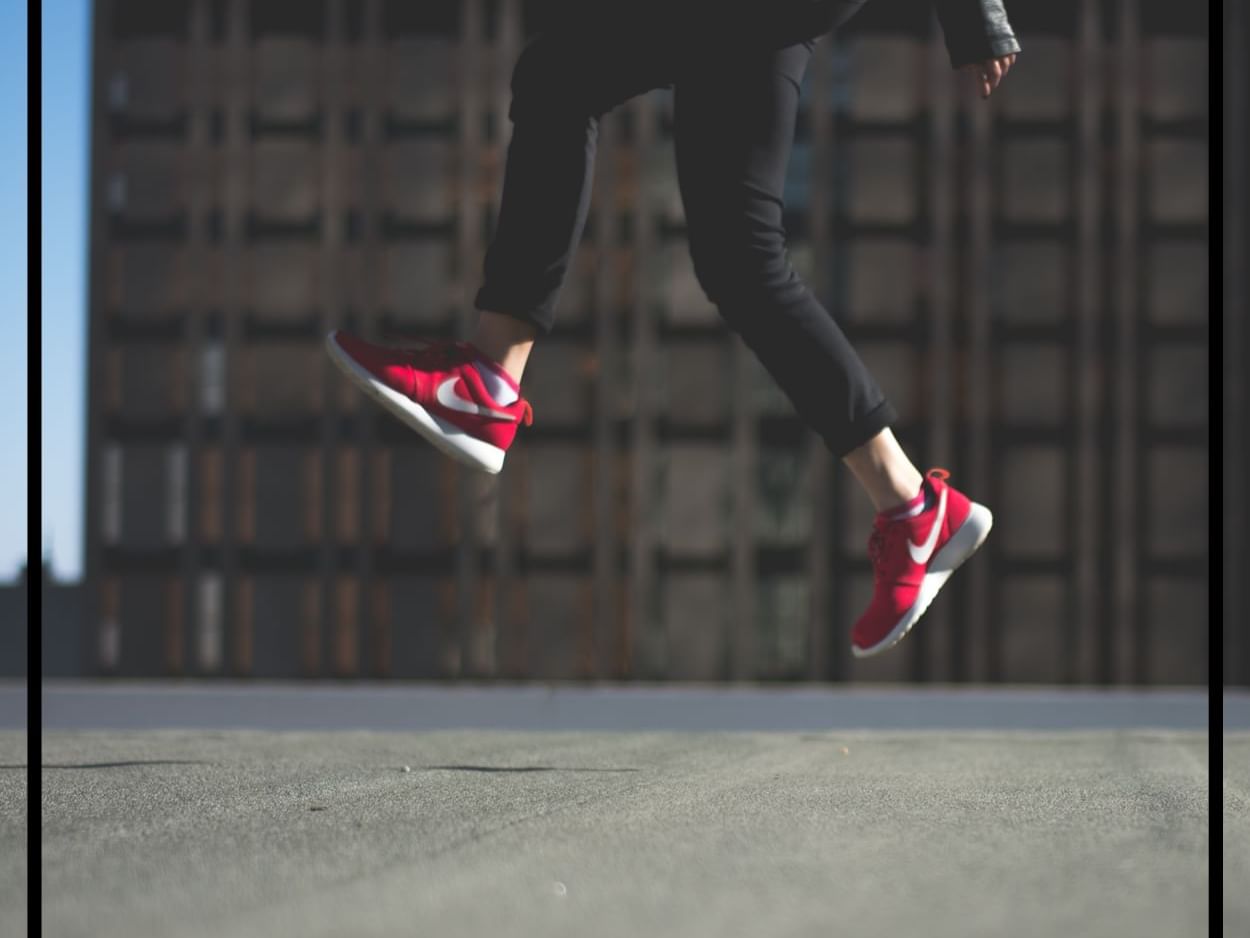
{"points": [[862, 430], [539, 318]]}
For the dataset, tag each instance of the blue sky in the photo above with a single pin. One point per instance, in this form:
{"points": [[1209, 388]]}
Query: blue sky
{"points": [[66, 51]]}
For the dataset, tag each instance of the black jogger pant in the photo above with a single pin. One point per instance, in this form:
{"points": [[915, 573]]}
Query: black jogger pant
{"points": [[736, 91]]}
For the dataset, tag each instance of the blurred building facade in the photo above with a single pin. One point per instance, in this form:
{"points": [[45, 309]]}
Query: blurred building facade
{"points": [[64, 650], [1027, 277], [13, 626], [63, 620]]}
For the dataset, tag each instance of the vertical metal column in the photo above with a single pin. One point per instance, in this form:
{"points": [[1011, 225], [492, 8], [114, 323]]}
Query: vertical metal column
{"points": [[369, 99], [1082, 619], [197, 161], [236, 80], [332, 76], [471, 484], [983, 588], [1124, 544], [1236, 349], [607, 584], [507, 583], [510, 490], [820, 464], [836, 211], [744, 456], [93, 502], [642, 583], [744, 462], [943, 657]]}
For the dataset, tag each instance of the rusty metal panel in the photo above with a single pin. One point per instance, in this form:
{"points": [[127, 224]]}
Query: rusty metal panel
{"points": [[152, 380], [282, 491], [141, 616], [147, 281], [147, 79], [286, 79], [287, 180], [272, 379], [276, 615], [149, 181]]}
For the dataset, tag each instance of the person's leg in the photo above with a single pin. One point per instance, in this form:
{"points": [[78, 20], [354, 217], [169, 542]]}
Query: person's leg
{"points": [[735, 120], [563, 82], [596, 56], [506, 340], [885, 472]]}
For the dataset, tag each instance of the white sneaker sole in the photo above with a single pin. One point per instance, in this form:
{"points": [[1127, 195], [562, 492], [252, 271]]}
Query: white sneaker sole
{"points": [[447, 437], [962, 545]]}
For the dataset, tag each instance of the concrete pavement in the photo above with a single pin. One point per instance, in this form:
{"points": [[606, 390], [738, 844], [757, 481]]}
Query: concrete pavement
{"points": [[940, 832]]}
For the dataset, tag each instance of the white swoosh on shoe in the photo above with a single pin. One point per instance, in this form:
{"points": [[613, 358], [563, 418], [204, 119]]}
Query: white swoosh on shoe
{"points": [[921, 553], [449, 398]]}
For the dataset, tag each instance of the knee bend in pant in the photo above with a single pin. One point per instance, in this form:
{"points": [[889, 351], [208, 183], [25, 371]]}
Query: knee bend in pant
{"points": [[743, 274]]}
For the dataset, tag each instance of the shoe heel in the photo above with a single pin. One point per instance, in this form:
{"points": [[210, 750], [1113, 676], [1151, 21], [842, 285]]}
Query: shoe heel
{"points": [[970, 536]]}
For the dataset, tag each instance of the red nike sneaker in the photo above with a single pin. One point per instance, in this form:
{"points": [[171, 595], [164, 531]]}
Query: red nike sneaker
{"points": [[912, 558], [436, 390]]}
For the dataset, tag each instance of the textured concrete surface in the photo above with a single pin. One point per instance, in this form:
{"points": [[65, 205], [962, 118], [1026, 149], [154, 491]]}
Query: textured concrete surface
{"points": [[238, 810], [14, 830], [1235, 834]]}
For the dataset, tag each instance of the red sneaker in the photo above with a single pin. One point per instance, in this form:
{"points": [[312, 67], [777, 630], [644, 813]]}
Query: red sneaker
{"points": [[436, 390], [912, 558]]}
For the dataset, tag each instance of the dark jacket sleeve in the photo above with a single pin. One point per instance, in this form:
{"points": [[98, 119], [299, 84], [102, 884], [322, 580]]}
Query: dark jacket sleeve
{"points": [[975, 30]]}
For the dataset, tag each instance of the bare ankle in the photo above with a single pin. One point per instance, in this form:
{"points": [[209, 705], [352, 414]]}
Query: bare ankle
{"points": [[506, 341], [885, 472], [899, 495]]}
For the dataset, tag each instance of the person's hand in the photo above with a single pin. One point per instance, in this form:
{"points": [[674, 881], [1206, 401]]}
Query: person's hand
{"points": [[990, 72]]}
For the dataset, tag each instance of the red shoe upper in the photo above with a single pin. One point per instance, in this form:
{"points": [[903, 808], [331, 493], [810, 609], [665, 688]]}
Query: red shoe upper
{"points": [[440, 376], [897, 574]]}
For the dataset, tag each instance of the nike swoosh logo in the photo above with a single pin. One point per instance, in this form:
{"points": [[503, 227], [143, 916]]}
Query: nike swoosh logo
{"points": [[449, 398], [921, 553]]}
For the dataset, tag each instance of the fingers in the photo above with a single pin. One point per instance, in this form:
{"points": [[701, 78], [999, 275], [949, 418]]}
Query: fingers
{"points": [[993, 75], [993, 71], [981, 76], [990, 73]]}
